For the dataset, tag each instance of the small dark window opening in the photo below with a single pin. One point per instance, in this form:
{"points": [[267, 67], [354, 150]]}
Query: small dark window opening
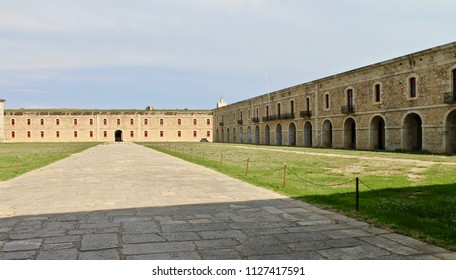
{"points": [[42, 121], [161, 121], [412, 82], [454, 81], [57, 134], [91, 134], [327, 101], [179, 134], [350, 98], [194, 134], [161, 134], [377, 93]]}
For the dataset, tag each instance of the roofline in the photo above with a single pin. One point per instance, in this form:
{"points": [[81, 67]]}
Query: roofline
{"points": [[389, 61]]}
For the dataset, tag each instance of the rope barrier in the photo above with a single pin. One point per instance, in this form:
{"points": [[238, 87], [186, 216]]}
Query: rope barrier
{"points": [[366, 185], [266, 170], [320, 185]]}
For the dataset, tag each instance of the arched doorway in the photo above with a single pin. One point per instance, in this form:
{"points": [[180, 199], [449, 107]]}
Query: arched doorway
{"points": [[118, 136], [223, 136], [217, 136], [451, 130], [228, 140], [377, 133], [292, 135], [308, 134], [234, 136], [327, 134], [412, 133], [267, 135], [241, 135], [278, 135], [249, 135], [257, 135], [350, 134]]}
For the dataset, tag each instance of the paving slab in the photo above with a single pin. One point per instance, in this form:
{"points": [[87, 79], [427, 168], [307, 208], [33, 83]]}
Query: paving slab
{"points": [[125, 201]]}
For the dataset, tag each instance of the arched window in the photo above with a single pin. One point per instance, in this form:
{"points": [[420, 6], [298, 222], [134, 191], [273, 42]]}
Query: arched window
{"points": [[292, 108], [327, 101]]}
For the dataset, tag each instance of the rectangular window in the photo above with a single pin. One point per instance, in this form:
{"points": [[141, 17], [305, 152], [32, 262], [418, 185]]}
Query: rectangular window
{"points": [[132, 121], [208, 134], [41, 121], [146, 134], [105, 121], [146, 121], [292, 109], [161, 121], [208, 121], [13, 122], [179, 122], [42, 134], [454, 82], [257, 113], [29, 121], [105, 134], [57, 121], [195, 122], [57, 134], [118, 121], [91, 134], [278, 110], [75, 121], [179, 134], [377, 92], [267, 111], [307, 104], [350, 98], [132, 134], [194, 134], [75, 134], [412, 83], [161, 134], [13, 134], [29, 134], [91, 122], [326, 101]]}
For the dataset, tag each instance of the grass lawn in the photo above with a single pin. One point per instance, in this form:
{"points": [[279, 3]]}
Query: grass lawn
{"points": [[414, 194], [20, 158]]}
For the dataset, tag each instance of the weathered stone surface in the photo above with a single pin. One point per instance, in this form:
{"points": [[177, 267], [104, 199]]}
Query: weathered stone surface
{"points": [[220, 254], [22, 245], [142, 238], [354, 253], [99, 241], [66, 254], [166, 256], [153, 248], [110, 254]]}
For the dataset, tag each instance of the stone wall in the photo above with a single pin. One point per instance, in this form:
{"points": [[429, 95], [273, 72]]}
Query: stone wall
{"points": [[410, 115], [101, 126]]}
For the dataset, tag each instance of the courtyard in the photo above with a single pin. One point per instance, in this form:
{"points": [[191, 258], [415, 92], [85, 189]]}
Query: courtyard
{"points": [[125, 201]]}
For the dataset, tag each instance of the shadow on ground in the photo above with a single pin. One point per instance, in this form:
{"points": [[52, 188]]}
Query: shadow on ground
{"points": [[263, 229]]}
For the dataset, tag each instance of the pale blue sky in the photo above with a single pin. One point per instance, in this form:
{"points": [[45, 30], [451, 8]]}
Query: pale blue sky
{"points": [[186, 54]]}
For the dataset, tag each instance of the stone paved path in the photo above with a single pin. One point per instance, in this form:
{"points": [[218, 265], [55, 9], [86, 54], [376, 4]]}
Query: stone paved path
{"points": [[124, 201]]}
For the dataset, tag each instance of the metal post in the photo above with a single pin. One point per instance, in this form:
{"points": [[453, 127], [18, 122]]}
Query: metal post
{"points": [[247, 168], [357, 194], [284, 176]]}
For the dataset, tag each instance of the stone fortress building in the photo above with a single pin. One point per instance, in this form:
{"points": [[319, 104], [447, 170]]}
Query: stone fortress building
{"points": [[61, 125], [407, 103]]}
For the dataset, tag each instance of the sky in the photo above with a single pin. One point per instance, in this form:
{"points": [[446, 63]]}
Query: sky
{"points": [[176, 54]]}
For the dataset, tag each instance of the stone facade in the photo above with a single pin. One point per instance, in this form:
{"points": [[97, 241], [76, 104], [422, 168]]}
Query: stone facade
{"points": [[407, 103], [105, 125]]}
